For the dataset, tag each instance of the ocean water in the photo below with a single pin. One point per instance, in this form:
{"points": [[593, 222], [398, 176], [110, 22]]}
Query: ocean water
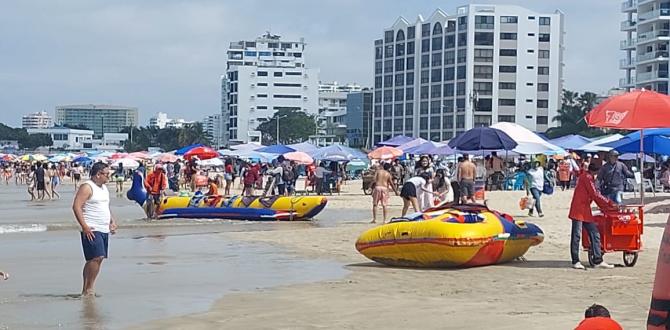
{"points": [[156, 269]]}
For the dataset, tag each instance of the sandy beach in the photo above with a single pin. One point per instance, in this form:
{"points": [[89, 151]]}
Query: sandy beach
{"points": [[540, 293]]}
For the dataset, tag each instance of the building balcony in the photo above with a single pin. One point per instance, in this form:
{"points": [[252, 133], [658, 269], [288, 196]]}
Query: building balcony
{"points": [[626, 63], [654, 14], [659, 55], [625, 83], [628, 25], [642, 2], [628, 44], [629, 5], [650, 76], [653, 36]]}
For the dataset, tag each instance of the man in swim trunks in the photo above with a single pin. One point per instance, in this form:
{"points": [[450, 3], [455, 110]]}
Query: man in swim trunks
{"points": [[380, 194], [466, 179]]}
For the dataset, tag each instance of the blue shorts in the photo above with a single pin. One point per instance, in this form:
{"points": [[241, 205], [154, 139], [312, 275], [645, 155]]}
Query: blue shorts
{"points": [[96, 248]]}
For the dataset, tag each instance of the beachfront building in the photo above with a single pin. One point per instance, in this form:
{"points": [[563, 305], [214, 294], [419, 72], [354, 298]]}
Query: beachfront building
{"points": [[440, 76], [99, 118], [332, 117], [358, 118], [37, 120], [161, 120], [65, 138], [263, 76], [647, 30], [212, 127]]}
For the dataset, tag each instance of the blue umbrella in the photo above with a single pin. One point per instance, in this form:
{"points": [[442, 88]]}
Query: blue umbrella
{"points": [[279, 149], [654, 144], [395, 141], [483, 138], [185, 149], [82, 159], [572, 141], [338, 153]]}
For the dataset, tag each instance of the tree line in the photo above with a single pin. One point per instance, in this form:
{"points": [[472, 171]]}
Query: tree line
{"points": [[169, 138], [26, 141]]}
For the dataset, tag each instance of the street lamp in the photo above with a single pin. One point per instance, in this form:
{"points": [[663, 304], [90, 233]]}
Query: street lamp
{"points": [[279, 117]]}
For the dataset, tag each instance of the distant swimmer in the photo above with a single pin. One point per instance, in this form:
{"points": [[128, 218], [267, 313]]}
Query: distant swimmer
{"points": [[380, 195], [91, 208], [4, 275]]}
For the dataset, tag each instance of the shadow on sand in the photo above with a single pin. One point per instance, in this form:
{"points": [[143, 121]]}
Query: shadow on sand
{"points": [[547, 264]]}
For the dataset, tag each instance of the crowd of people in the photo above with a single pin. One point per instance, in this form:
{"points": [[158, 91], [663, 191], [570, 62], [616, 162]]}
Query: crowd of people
{"points": [[42, 179]]}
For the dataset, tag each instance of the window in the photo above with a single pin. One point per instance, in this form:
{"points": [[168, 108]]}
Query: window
{"points": [[436, 75], [507, 52], [436, 91], [388, 36], [544, 37], [294, 73], [463, 23], [248, 53], [436, 59], [529, 84], [388, 97], [423, 123], [262, 84], [506, 119], [409, 80], [449, 73], [461, 56], [448, 106], [400, 36], [273, 45], [281, 96], [483, 55], [507, 68], [530, 67], [484, 22], [483, 88], [449, 41], [531, 17], [483, 71], [542, 87], [278, 54], [542, 120], [425, 76], [530, 51], [451, 26], [460, 88], [399, 94], [531, 34], [435, 106], [399, 79], [462, 39], [543, 54], [543, 70], [482, 121], [423, 108], [399, 64], [425, 30], [286, 85], [508, 102], [460, 103], [425, 45], [409, 109], [529, 100], [262, 107], [449, 58], [388, 80], [506, 85], [409, 94], [262, 73], [448, 89], [388, 51], [544, 104], [448, 121], [460, 121], [508, 19], [460, 74], [545, 20], [262, 95], [484, 38], [437, 28], [423, 92], [410, 48], [388, 110], [410, 32], [507, 36], [397, 123], [435, 123], [437, 43], [277, 74], [410, 63], [400, 50]]}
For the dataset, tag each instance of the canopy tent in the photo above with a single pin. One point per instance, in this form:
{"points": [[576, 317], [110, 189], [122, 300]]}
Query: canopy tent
{"points": [[528, 142], [411, 144], [338, 153], [631, 156], [246, 146], [278, 149], [600, 143], [251, 155], [395, 141], [186, 149], [570, 142], [212, 162], [654, 144], [305, 147]]}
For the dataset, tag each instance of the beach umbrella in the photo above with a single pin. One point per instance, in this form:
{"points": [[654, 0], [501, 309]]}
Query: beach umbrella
{"points": [[571, 142], [33, 158], [118, 155], [211, 162], [279, 149], [422, 148], [655, 144], [167, 158], [255, 155], [140, 155], [395, 141], [299, 157], [127, 163], [632, 156], [385, 153], [201, 152], [82, 159], [528, 142], [411, 144], [482, 138], [305, 147], [337, 153], [184, 150], [246, 146]]}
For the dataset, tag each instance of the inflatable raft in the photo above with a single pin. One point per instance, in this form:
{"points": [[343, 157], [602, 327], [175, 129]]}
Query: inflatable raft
{"points": [[252, 208], [450, 236]]}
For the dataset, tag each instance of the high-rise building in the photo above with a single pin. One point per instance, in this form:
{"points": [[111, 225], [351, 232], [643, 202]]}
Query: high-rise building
{"points": [[263, 76], [99, 118], [37, 120], [332, 117], [212, 127], [647, 29], [440, 76], [359, 111]]}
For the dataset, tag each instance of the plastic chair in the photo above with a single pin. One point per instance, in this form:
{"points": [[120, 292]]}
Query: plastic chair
{"points": [[519, 179]]}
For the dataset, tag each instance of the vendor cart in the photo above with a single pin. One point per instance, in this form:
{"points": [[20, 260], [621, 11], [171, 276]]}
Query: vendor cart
{"points": [[620, 230], [368, 180]]}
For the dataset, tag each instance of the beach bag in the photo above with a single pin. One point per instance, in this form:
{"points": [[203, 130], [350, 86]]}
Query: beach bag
{"points": [[526, 203], [548, 188]]}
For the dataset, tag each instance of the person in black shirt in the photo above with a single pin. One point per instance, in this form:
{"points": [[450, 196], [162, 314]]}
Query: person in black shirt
{"points": [[39, 181]]}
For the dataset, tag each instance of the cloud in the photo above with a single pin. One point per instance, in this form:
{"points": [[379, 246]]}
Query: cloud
{"points": [[168, 55]]}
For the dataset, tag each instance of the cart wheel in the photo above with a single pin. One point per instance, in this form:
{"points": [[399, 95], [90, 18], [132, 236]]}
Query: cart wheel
{"points": [[591, 262], [629, 258], [367, 191]]}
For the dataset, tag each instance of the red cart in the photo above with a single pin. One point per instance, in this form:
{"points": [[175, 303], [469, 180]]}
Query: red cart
{"points": [[619, 231]]}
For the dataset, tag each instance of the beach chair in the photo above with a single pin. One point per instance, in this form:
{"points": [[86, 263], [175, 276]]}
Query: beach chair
{"points": [[519, 178]]}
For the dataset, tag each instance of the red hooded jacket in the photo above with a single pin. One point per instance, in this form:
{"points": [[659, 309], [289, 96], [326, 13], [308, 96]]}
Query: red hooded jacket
{"points": [[585, 193]]}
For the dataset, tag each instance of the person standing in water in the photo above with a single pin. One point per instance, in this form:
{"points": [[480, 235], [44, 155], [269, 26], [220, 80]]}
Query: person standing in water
{"points": [[92, 211]]}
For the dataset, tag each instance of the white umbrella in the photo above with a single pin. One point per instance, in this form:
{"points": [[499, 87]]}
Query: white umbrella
{"points": [[211, 162], [528, 142], [127, 163]]}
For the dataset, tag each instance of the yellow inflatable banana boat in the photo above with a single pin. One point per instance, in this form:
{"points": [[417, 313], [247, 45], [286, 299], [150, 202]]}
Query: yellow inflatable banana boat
{"points": [[450, 236]]}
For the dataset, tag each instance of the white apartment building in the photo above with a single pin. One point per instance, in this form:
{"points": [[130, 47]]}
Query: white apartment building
{"points": [[212, 127], [440, 76], [161, 121], [647, 29], [332, 117], [263, 76], [37, 120], [66, 138]]}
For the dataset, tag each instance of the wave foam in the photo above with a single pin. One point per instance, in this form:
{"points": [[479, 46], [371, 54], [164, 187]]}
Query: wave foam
{"points": [[14, 228]]}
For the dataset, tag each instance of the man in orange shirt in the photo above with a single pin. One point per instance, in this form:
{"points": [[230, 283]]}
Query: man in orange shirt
{"points": [[155, 183], [213, 193]]}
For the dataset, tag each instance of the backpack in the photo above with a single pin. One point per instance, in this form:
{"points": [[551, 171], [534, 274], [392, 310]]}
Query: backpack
{"points": [[287, 173]]}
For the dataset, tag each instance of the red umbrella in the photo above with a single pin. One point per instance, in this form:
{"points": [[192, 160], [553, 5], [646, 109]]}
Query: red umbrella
{"points": [[118, 155], [202, 153], [385, 153], [638, 109]]}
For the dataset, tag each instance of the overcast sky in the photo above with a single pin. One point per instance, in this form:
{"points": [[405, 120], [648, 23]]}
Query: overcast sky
{"points": [[162, 55]]}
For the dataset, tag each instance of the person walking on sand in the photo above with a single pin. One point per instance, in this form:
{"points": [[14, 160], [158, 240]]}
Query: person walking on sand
{"points": [[466, 179], [92, 211], [534, 186], [384, 182]]}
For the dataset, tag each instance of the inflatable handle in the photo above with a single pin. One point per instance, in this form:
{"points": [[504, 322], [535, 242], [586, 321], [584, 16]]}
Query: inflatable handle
{"points": [[659, 312], [137, 191]]}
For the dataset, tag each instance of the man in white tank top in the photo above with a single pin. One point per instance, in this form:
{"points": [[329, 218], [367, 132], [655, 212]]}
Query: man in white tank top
{"points": [[91, 208]]}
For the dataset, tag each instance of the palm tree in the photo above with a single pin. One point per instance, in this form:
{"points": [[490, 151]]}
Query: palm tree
{"points": [[571, 115]]}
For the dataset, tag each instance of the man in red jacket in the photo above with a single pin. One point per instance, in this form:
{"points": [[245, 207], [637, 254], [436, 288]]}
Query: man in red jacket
{"points": [[581, 216]]}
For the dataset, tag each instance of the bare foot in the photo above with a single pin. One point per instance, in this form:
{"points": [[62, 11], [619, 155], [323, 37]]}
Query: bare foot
{"points": [[373, 221]]}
